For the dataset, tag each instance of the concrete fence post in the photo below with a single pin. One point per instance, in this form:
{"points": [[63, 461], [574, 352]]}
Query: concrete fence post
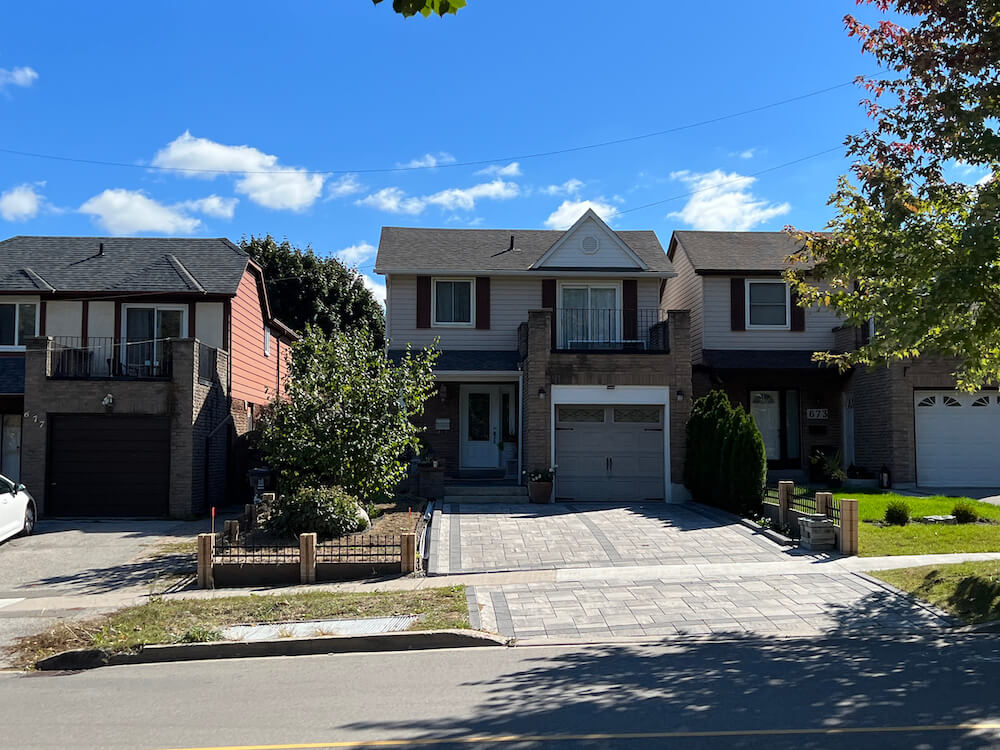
{"points": [[307, 558], [407, 553], [823, 502], [785, 491], [206, 547], [849, 527]]}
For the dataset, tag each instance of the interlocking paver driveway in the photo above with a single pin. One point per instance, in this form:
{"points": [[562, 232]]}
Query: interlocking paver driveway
{"points": [[479, 538]]}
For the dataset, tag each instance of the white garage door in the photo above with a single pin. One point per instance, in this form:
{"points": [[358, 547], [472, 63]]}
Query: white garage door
{"points": [[609, 453], [958, 438]]}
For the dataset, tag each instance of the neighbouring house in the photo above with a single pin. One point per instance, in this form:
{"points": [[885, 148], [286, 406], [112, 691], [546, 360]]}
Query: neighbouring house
{"points": [[129, 369], [751, 339], [557, 349]]}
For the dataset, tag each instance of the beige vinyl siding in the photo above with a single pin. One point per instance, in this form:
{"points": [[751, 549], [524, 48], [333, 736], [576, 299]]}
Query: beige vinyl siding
{"points": [[609, 253], [101, 319], [511, 297], [817, 336], [684, 292], [64, 318], [208, 323]]}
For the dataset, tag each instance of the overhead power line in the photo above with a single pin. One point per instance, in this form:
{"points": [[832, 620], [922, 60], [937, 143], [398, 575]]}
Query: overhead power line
{"points": [[451, 165]]}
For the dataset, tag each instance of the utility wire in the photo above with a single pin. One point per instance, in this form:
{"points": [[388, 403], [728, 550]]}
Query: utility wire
{"points": [[475, 163]]}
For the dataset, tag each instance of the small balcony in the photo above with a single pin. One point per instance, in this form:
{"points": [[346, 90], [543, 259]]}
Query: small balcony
{"points": [[104, 358], [613, 330]]}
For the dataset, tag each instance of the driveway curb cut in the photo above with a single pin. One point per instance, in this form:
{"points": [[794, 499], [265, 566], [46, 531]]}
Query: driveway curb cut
{"points": [[337, 644]]}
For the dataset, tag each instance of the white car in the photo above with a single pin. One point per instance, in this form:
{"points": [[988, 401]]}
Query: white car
{"points": [[17, 509]]}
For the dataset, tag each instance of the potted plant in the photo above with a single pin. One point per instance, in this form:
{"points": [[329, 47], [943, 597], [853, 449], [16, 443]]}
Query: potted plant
{"points": [[832, 466], [540, 484]]}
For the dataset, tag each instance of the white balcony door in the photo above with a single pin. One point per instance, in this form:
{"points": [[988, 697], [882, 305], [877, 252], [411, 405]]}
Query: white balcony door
{"points": [[480, 425], [589, 315]]}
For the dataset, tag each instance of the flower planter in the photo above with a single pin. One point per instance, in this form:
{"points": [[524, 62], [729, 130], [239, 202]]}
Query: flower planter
{"points": [[540, 492]]}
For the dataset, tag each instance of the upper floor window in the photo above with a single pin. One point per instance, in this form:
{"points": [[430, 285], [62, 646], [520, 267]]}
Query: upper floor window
{"points": [[18, 322], [267, 342], [767, 304], [452, 302]]}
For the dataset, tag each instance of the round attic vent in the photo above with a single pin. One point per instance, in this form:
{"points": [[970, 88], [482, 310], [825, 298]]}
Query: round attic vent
{"points": [[590, 244]]}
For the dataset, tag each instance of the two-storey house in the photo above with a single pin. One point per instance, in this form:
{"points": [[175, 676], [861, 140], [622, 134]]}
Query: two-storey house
{"points": [[556, 349], [751, 339], [128, 369]]}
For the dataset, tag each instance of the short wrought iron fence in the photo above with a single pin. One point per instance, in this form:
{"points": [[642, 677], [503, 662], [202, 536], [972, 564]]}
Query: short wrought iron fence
{"points": [[208, 363], [361, 548], [803, 499], [227, 553], [103, 357], [833, 510], [629, 330]]}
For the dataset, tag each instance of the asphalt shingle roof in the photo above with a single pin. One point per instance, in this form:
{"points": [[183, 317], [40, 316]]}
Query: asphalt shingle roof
{"points": [[737, 251], [129, 264], [479, 250]]}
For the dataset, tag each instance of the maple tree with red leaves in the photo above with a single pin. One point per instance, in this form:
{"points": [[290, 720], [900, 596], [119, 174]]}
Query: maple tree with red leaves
{"points": [[915, 243]]}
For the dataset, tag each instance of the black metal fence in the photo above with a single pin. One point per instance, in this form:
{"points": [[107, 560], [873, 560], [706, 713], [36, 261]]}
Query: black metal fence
{"points": [[803, 499], [103, 357], [833, 510], [361, 548], [228, 553], [585, 329]]}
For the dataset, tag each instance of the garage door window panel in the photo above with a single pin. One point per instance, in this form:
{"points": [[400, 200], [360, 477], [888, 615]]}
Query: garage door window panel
{"points": [[581, 414], [638, 414]]}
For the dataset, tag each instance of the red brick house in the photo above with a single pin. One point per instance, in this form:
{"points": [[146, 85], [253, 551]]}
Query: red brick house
{"points": [[129, 367]]}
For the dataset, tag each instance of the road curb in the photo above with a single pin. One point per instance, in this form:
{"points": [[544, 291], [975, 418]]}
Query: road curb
{"points": [[418, 640]]}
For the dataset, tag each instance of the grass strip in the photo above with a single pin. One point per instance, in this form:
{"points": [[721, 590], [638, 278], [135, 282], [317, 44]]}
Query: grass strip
{"points": [[970, 591]]}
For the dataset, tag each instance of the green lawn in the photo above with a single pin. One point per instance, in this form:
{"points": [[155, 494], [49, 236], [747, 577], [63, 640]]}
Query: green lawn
{"points": [[920, 539], [970, 591]]}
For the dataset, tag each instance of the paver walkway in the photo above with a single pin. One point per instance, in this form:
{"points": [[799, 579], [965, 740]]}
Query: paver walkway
{"points": [[472, 538]]}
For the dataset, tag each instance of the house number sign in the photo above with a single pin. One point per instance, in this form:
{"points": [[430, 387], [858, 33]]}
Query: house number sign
{"points": [[817, 413]]}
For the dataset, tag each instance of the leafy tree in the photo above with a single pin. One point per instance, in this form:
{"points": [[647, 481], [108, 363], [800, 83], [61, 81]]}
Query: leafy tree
{"points": [[308, 290], [425, 7], [911, 248], [348, 417]]}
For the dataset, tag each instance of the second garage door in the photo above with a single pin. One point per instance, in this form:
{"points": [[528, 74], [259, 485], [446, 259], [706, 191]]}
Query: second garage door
{"points": [[957, 438], [609, 453], [108, 465]]}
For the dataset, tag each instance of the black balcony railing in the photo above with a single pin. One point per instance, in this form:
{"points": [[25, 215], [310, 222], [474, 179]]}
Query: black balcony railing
{"points": [[106, 358], [208, 363], [640, 330]]}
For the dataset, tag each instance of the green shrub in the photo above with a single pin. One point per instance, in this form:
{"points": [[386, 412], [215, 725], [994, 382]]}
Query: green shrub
{"points": [[200, 634], [327, 511], [965, 512], [897, 513], [725, 465]]}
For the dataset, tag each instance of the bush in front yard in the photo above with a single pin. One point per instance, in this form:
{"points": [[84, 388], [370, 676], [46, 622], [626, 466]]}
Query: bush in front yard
{"points": [[726, 465], [327, 511], [964, 512], [897, 513]]}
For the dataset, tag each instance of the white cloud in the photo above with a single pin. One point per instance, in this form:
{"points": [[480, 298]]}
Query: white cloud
{"points": [[129, 212], [355, 254], [263, 179], [395, 201], [392, 200], [376, 287], [722, 201], [213, 205], [511, 170], [21, 202], [570, 187], [465, 198], [748, 154], [344, 186], [569, 211], [22, 76], [428, 160]]}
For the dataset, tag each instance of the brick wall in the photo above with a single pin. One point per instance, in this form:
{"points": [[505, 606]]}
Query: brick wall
{"points": [[443, 443]]}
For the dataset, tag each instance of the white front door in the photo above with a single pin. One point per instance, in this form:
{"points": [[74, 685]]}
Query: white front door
{"points": [[480, 425], [766, 412]]}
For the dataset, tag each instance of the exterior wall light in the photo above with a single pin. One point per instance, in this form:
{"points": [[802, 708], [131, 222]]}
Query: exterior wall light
{"points": [[680, 395], [541, 393]]}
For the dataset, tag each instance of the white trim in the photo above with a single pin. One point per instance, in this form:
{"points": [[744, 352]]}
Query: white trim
{"points": [[788, 305], [471, 281], [267, 341], [17, 302], [155, 307], [620, 395], [589, 214], [520, 426]]}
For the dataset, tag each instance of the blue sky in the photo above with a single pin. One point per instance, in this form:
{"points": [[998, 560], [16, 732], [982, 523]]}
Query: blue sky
{"points": [[265, 94]]}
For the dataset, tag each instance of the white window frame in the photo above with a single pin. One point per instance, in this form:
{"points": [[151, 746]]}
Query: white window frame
{"points": [[17, 302], [267, 341], [588, 283], [435, 323], [124, 323], [788, 306]]}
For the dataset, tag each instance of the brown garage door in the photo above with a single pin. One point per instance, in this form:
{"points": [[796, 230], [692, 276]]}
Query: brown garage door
{"points": [[108, 465]]}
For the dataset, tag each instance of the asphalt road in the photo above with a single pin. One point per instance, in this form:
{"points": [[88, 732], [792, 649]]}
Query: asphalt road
{"points": [[693, 693]]}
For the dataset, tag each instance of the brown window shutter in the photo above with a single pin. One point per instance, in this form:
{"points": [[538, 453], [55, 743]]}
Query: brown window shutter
{"points": [[797, 314], [549, 301], [630, 309], [737, 304], [483, 302], [423, 301]]}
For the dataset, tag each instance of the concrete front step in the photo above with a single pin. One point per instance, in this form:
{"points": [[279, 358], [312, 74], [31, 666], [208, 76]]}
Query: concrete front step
{"points": [[486, 490], [486, 499]]}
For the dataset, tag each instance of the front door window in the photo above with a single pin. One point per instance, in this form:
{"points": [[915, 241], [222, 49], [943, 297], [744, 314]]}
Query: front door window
{"points": [[776, 414], [479, 416]]}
